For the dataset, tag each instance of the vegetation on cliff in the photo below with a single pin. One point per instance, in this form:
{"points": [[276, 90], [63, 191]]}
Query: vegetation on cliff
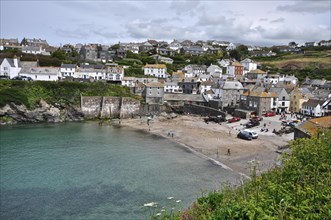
{"points": [[298, 189], [30, 93]]}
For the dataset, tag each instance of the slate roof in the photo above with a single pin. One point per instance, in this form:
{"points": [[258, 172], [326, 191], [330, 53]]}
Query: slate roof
{"points": [[257, 71], [68, 65], [313, 103], [158, 66], [312, 126], [154, 84], [236, 85]]}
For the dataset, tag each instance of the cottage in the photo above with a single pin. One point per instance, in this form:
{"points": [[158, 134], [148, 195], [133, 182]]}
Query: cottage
{"points": [[154, 93], [227, 93], [313, 107], [68, 70], [172, 87], [189, 85], [156, 70], [248, 65], [44, 73], [256, 74], [10, 67], [283, 101], [214, 71], [299, 96], [257, 101], [235, 69]]}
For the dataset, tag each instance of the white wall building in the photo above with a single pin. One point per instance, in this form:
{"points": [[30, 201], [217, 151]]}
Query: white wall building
{"points": [[9, 67], [68, 70], [248, 65], [156, 70], [44, 73], [215, 71], [172, 87]]}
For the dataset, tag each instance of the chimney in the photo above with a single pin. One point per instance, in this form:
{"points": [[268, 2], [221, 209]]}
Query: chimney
{"points": [[15, 61]]}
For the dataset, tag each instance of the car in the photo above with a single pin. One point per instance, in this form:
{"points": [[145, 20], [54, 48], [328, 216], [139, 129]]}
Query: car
{"points": [[244, 135], [234, 119], [26, 78], [269, 114], [256, 118], [252, 133], [2, 77], [17, 78], [216, 119], [252, 123]]}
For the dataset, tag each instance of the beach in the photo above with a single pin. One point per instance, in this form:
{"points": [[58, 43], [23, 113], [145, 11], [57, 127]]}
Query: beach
{"points": [[216, 142]]}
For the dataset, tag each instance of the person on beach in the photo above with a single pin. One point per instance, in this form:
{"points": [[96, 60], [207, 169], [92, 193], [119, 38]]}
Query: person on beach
{"points": [[229, 152]]}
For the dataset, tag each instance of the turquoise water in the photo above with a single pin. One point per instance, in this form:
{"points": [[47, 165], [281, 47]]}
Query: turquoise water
{"points": [[84, 171]]}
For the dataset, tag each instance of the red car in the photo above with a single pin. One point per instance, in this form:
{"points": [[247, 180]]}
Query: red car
{"points": [[234, 119], [269, 114], [256, 118]]}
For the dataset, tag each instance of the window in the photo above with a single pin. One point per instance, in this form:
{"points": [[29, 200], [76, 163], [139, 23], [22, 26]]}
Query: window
{"points": [[283, 103], [5, 68], [283, 98]]}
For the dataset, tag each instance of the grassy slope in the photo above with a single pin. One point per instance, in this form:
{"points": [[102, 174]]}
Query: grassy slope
{"points": [[30, 93], [317, 59]]}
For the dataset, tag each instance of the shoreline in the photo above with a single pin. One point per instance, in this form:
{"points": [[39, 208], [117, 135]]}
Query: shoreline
{"points": [[212, 141]]}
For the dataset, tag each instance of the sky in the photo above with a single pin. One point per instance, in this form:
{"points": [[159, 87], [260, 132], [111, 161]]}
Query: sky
{"points": [[260, 23]]}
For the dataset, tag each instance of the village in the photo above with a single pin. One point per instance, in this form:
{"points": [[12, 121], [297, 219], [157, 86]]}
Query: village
{"points": [[237, 88]]}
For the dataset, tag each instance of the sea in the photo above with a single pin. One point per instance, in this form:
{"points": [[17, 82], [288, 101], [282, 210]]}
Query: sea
{"points": [[91, 172]]}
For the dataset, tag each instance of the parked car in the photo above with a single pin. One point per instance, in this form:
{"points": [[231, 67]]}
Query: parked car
{"points": [[252, 123], [17, 78], [2, 77], [216, 119], [234, 119], [269, 114], [252, 133], [257, 118], [27, 78], [244, 135]]}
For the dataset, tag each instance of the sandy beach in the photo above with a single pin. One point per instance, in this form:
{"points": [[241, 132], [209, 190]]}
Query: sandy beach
{"points": [[213, 141]]}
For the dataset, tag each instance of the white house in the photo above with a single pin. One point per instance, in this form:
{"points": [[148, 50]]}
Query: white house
{"points": [[172, 87], [44, 73], [10, 67], [215, 71], [129, 81], [248, 65], [283, 101], [115, 73], [68, 70], [206, 86], [313, 108], [156, 70]]}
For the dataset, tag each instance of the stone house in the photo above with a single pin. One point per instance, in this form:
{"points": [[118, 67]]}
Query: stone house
{"points": [[313, 107], [165, 51], [114, 73], [10, 67], [145, 47], [89, 52], [192, 50], [156, 70], [256, 74], [9, 44], [258, 102], [154, 93], [227, 93], [189, 85], [193, 70], [299, 96]]}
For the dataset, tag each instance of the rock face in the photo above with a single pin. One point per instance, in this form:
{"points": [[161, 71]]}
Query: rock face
{"points": [[12, 113]]}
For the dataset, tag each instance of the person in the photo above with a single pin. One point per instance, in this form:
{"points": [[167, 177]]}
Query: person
{"points": [[229, 132], [229, 152]]}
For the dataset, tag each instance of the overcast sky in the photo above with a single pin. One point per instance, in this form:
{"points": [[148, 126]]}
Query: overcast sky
{"points": [[263, 23]]}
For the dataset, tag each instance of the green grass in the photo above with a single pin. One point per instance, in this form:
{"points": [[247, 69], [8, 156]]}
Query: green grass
{"points": [[30, 93]]}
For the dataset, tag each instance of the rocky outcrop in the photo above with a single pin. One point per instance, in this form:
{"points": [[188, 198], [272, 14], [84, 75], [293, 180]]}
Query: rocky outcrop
{"points": [[12, 113]]}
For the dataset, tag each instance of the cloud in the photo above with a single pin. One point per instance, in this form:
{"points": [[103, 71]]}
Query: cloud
{"points": [[307, 6], [278, 20], [210, 19], [184, 6], [263, 19]]}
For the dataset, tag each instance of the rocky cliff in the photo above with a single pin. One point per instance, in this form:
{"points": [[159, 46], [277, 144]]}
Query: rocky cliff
{"points": [[12, 113]]}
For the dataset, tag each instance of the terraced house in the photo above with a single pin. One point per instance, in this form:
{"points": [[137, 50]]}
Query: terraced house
{"points": [[156, 70]]}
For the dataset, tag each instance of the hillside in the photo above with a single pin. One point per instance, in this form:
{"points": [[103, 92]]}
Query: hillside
{"points": [[68, 93]]}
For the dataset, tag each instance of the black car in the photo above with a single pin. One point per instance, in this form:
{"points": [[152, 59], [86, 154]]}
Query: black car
{"points": [[252, 123], [244, 135]]}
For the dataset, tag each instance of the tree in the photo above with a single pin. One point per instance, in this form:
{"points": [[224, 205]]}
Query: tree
{"points": [[59, 54]]}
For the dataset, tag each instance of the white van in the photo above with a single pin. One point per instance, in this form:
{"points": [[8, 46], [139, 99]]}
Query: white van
{"points": [[252, 133]]}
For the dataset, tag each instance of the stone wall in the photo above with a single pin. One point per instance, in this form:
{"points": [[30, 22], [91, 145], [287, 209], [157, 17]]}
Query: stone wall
{"points": [[109, 107], [202, 110]]}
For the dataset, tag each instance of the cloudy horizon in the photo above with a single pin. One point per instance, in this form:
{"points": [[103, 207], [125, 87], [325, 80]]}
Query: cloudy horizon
{"points": [[261, 23]]}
